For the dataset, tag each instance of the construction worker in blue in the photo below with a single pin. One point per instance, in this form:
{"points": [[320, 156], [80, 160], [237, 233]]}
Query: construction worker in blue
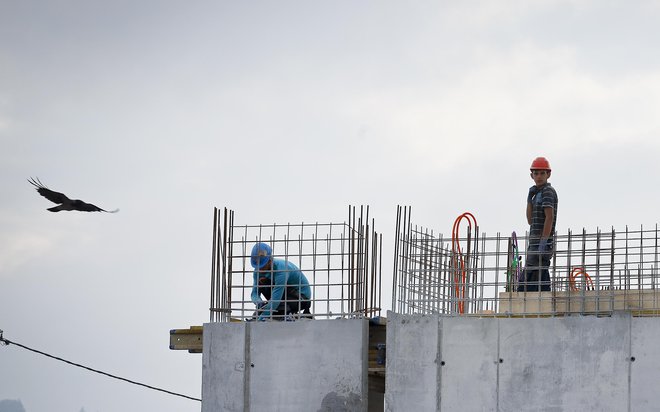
{"points": [[281, 283]]}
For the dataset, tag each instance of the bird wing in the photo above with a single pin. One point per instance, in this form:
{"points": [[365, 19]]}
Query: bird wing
{"points": [[88, 207], [55, 197]]}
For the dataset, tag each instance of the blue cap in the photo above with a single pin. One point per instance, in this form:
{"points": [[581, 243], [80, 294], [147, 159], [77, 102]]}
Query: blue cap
{"points": [[261, 254]]}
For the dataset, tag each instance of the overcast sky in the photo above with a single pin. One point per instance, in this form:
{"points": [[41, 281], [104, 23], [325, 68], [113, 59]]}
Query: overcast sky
{"points": [[284, 111]]}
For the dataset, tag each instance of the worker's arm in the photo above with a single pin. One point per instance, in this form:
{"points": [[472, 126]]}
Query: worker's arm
{"points": [[547, 225], [279, 283], [530, 198], [255, 297]]}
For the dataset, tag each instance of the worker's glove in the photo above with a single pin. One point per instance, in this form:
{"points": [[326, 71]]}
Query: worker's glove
{"points": [[532, 191], [261, 304], [543, 246]]}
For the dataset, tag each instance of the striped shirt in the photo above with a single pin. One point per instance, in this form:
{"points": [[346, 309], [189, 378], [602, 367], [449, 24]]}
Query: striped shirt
{"points": [[545, 197]]}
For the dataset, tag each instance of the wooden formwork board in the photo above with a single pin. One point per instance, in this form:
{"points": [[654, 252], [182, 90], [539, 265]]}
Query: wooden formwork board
{"points": [[584, 301]]}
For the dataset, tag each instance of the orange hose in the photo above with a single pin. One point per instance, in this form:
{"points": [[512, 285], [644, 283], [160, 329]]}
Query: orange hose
{"points": [[460, 271], [577, 271]]}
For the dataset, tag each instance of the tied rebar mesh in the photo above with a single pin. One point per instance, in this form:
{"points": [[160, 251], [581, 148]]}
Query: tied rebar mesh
{"points": [[590, 273], [341, 261]]}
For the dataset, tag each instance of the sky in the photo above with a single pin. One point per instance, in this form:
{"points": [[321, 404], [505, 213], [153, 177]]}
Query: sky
{"points": [[284, 111]]}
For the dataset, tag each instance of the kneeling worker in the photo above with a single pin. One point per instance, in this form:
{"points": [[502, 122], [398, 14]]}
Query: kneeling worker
{"points": [[281, 283]]}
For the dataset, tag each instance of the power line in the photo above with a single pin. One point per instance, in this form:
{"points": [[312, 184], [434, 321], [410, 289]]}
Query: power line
{"points": [[7, 342]]}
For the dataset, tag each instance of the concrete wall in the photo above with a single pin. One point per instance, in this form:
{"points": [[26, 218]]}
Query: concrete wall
{"points": [[579, 363], [285, 366]]}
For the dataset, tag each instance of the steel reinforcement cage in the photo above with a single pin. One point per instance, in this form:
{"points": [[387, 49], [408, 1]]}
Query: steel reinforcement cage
{"points": [[475, 274], [340, 260]]}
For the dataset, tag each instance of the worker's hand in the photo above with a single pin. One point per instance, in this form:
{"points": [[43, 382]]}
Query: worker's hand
{"points": [[543, 246], [532, 191], [261, 304]]}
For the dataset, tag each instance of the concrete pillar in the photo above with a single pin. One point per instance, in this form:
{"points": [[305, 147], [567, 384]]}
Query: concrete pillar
{"points": [[287, 366], [584, 363]]}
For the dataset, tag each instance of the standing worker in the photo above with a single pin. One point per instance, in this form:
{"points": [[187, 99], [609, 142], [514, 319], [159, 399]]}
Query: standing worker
{"points": [[281, 283], [541, 216]]}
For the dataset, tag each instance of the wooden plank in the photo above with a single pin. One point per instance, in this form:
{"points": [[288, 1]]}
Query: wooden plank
{"points": [[645, 301]]}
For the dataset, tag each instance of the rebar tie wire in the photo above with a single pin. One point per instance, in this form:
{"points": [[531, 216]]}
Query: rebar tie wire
{"points": [[7, 342]]}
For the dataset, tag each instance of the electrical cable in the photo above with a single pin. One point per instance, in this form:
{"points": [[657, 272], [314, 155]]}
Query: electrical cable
{"points": [[460, 275], [7, 342], [577, 271]]}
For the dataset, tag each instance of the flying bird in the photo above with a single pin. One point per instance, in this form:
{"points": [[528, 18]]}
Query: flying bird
{"points": [[64, 202]]}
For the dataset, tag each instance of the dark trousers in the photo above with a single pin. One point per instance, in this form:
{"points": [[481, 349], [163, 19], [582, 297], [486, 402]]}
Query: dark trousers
{"points": [[536, 274], [291, 301]]}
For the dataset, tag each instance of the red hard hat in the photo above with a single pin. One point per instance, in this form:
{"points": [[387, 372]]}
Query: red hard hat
{"points": [[540, 163]]}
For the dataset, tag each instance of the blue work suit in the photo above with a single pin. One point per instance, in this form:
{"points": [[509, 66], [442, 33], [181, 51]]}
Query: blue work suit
{"points": [[283, 277]]}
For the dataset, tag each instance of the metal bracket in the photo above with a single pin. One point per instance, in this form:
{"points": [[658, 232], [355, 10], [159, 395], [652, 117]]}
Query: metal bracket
{"points": [[187, 339]]}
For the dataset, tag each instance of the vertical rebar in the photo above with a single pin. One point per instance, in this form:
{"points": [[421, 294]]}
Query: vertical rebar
{"points": [[613, 244], [395, 264], [328, 255], [228, 263], [214, 273]]}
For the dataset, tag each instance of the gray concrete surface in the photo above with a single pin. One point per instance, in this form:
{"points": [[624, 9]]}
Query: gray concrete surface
{"points": [[468, 346], [285, 366], [577, 363], [412, 374], [564, 364], [225, 365], [645, 364]]}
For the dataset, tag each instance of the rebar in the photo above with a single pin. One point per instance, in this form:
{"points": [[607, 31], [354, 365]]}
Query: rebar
{"points": [[340, 260], [619, 273]]}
